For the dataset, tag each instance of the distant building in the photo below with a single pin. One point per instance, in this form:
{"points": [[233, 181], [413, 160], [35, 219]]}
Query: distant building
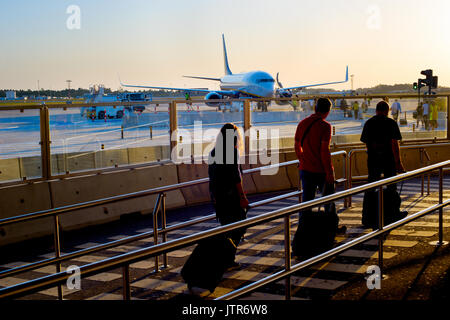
{"points": [[10, 95]]}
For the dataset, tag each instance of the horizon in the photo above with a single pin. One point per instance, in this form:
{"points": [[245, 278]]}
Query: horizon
{"points": [[46, 42]]}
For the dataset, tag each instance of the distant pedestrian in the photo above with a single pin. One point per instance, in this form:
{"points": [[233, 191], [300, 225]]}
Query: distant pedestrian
{"points": [[396, 109], [364, 106], [426, 115], [433, 115], [419, 114], [355, 108]]}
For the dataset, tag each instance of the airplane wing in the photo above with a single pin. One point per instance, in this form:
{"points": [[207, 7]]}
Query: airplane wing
{"points": [[318, 84], [222, 92]]}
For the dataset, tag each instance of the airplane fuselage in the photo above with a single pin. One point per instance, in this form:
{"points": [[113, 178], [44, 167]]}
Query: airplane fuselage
{"points": [[254, 83]]}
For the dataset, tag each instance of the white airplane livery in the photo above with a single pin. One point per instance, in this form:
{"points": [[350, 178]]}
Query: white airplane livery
{"points": [[254, 84]]}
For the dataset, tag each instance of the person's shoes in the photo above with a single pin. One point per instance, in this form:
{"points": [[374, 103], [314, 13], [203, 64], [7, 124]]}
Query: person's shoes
{"points": [[341, 230], [402, 215], [234, 266]]}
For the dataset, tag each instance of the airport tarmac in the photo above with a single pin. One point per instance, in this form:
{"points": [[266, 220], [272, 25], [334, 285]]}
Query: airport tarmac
{"points": [[70, 132]]}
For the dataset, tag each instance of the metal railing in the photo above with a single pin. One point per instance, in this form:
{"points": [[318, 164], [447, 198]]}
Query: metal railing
{"points": [[44, 108], [126, 259], [420, 148], [159, 207]]}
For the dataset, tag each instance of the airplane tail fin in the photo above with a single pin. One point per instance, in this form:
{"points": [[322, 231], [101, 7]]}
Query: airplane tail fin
{"points": [[227, 67]]}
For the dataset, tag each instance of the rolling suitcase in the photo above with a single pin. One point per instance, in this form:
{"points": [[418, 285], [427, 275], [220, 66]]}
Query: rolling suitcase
{"points": [[391, 207], [315, 233], [208, 262]]}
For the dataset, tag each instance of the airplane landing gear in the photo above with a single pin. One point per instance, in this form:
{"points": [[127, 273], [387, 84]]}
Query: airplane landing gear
{"points": [[262, 105]]}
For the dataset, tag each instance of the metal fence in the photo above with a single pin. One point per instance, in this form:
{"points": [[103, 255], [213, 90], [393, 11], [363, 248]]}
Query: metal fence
{"points": [[126, 259]]}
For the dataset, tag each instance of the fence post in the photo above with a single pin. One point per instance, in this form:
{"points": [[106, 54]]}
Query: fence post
{"points": [[448, 117], [247, 124], [287, 254], [57, 251], [126, 282], [440, 241], [164, 225], [155, 229], [173, 125], [380, 227], [45, 143]]}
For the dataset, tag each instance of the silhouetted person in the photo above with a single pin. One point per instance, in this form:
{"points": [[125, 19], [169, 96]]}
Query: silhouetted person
{"points": [[312, 146], [381, 136], [225, 184]]}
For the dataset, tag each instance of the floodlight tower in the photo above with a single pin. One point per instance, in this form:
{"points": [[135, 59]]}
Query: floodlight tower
{"points": [[68, 86]]}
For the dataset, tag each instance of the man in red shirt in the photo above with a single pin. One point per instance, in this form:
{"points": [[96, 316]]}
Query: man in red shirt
{"points": [[312, 146]]}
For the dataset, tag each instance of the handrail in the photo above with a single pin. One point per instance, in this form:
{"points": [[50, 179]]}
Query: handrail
{"points": [[50, 212], [362, 150], [132, 195], [180, 100], [55, 212], [328, 254], [126, 240], [126, 259]]}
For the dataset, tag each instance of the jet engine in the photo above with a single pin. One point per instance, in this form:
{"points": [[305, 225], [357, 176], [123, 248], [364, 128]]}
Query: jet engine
{"points": [[213, 96]]}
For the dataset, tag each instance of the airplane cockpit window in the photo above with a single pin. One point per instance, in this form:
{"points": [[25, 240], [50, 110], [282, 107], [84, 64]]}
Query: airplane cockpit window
{"points": [[265, 80]]}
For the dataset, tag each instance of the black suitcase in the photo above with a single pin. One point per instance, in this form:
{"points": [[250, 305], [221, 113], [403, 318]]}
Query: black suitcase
{"points": [[391, 207], [315, 233], [208, 262]]}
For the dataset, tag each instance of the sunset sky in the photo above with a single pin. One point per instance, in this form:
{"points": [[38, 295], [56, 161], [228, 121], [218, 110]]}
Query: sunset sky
{"points": [[156, 42]]}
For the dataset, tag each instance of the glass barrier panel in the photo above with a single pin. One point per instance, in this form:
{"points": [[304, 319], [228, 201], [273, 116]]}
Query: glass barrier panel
{"points": [[274, 123], [199, 125], [88, 138], [20, 151]]}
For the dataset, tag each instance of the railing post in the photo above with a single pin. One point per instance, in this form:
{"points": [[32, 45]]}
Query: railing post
{"points": [[247, 124], [440, 241], [448, 117], [45, 143], [346, 178], [287, 254], [57, 251], [380, 227], [441, 177], [155, 229], [173, 125], [349, 179], [126, 282], [164, 225]]}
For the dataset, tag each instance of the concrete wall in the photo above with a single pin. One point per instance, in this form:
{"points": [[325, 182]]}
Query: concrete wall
{"points": [[32, 197]]}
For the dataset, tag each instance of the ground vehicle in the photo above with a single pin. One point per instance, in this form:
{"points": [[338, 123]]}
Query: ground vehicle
{"points": [[133, 97], [97, 94]]}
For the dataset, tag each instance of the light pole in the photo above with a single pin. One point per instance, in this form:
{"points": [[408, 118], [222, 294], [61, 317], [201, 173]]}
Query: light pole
{"points": [[68, 86], [351, 77]]}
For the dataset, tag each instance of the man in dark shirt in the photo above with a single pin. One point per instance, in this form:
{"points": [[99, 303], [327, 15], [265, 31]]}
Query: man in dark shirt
{"points": [[381, 136]]}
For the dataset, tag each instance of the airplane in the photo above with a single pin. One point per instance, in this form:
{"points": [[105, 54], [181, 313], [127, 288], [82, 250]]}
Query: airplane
{"points": [[253, 84]]}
